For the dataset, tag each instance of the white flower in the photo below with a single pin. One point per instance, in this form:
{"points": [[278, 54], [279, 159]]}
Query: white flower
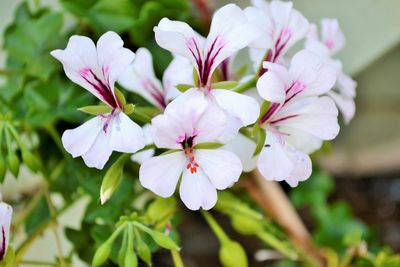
{"points": [[139, 77], [202, 170], [230, 31], [298, 119], [282, 26], [332, 40], [5, 222], [96, 68]]}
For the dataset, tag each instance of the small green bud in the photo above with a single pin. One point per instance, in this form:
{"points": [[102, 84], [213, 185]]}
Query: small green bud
{"points": [[246, 225], [102, 254], [129, 109], [120, 97], [3, 169], [144, 252], [112, 179], [161, 209], [30, 160], [232, 254], [130, 259], [163, 240], [13, 163]]}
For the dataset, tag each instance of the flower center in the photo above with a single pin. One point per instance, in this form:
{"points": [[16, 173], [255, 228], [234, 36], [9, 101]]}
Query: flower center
{"points": [[192, 165]]}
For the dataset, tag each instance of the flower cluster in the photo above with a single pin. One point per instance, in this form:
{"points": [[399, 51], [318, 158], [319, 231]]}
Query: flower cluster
{"points": [[211, 123]]}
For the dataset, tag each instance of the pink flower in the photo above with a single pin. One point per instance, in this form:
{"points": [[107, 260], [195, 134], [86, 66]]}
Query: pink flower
{"points": [[96, 68], [298, 119], [203, 170]]}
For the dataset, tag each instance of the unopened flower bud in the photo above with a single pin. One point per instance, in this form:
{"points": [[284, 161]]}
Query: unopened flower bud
{"points": [[232, 254], [30, 160], [13, 163], [102, 254]]}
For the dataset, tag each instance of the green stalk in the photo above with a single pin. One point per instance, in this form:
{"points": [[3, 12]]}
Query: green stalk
{"points": [[221, 235], [176, 257], [277, 244]]}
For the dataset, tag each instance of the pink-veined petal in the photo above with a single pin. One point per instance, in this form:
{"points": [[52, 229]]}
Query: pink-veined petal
{"points": [[331, 35], [230, 31], [312, 72], [5, 223], [179, 38], [113, 58], [79, 140], [197, 191], [222, 167], [161, 174], [126, 135], [315, 115], [139, 77]]}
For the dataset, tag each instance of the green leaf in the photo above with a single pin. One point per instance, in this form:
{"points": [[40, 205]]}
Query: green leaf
{"points": [[225, 85], [208, 145], [170, 151], [184, 87], [96, 110], [353, 237]]}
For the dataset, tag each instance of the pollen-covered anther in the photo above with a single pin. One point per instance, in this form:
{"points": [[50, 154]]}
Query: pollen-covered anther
{"points": [[192, 165]]}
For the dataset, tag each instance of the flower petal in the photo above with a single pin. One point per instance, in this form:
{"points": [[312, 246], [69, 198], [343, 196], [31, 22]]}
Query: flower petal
{"points": [[79, 140], [126, 135], [100, 151], [210, 125], [140, 157], [139, 77], [197, 191], [272, 84], [244, 148], [113, 58], [179, 71], [179, 38], [317, 76], [273, 162], [346, 105], [332, 35], [230, 31], [238, 105], [5, 223], [161, 174], [222, 167], [314, 115]]}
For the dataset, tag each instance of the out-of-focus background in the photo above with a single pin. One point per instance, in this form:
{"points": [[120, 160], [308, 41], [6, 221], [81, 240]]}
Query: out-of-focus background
{"points": [[365, 158]]}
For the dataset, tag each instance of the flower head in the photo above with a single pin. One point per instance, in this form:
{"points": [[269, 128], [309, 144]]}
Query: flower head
{"points": [[5, 222], [96, 68], [331, 41], [230, 31], [202, 170], [282, 26], [298, 119]]}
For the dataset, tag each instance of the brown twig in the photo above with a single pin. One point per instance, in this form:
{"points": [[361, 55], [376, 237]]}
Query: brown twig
{"points": [[270, 196]]}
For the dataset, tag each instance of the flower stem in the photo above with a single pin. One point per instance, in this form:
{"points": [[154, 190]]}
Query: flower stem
{"points": [[276, 244], [176, 257], [246, 85], [221, 235]]}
